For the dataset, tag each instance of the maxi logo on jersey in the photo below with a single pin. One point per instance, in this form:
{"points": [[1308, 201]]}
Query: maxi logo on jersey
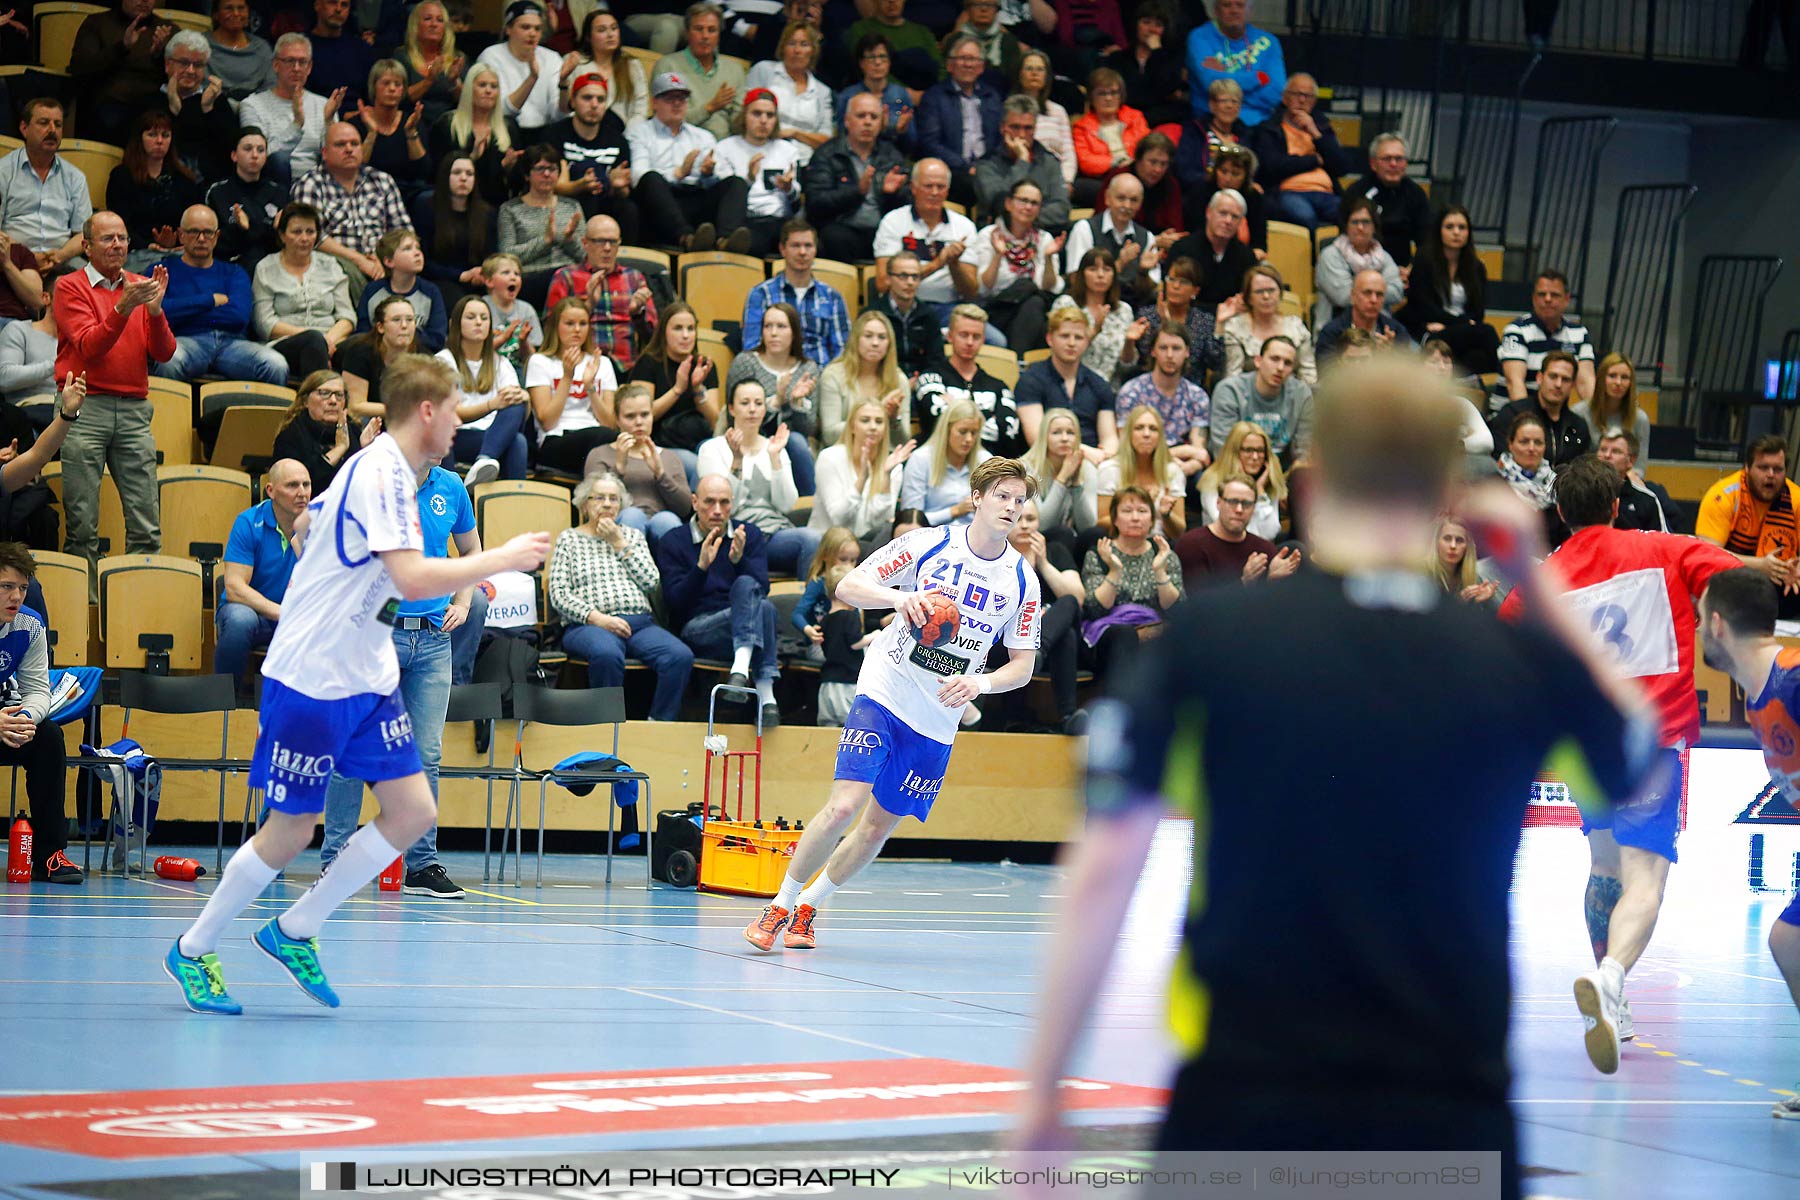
{"points": [[893, 566]]}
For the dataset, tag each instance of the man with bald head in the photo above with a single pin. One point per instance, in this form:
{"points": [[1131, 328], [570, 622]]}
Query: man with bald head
{"points": [[1368, 293], [110, 327], [208, 307], [623, 310], [357, 204], [936, 234], [853, 181], [1135, 250], [259, 559], [715, 582]]}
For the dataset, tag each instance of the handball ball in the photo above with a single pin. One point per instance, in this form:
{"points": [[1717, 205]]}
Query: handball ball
{"points": [[940, 621]]}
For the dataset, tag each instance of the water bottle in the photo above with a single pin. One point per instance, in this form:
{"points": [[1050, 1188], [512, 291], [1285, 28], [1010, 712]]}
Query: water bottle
{"points": [[184, 869], [391, 877], [18, 852]]}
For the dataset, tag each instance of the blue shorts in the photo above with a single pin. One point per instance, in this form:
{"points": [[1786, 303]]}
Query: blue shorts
{"points": [[1653, 823], [906, 767], [304, 740], [1791, 914]]}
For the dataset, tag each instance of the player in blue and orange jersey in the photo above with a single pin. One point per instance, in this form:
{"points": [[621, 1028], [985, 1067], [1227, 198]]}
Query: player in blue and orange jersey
{"points": [[1737, 619]]}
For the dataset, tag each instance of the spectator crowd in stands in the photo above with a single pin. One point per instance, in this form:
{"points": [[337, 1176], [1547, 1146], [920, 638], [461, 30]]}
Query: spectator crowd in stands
{"points": [[1075, 275]]}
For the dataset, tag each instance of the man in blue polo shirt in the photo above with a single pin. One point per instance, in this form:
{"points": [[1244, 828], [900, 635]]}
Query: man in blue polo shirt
{"points": [[259, 558], [423, 641]]}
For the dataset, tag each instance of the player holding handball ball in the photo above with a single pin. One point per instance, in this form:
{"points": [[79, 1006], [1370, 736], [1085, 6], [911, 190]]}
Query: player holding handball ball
{"points": [[957, 589]]}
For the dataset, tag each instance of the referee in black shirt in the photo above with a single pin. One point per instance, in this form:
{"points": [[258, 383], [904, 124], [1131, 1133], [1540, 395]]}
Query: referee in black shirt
{"points": [[1356, 749]]}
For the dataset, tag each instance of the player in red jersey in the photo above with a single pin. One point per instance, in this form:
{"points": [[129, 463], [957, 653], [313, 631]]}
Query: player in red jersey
{"points": [[1737, 615], [1636, 591]]}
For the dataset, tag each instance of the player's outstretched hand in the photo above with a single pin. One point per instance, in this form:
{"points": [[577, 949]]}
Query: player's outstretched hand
{"points": [[525, 552], [1506, 528]]}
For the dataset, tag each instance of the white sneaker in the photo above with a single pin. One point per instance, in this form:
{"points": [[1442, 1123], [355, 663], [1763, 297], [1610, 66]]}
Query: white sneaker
{"points": [[1788, 1109], [482, 470], [1599, 1006], [1627, 1028]]}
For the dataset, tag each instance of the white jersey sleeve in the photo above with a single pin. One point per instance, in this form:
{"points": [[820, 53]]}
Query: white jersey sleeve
{"points": [[999, 602]]}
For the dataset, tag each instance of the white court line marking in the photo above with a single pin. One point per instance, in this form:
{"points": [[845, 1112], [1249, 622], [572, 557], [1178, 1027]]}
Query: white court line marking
{"points": [[990, 896], [726, 1012], [600, 926], [1690, 1103], [921, 893]]}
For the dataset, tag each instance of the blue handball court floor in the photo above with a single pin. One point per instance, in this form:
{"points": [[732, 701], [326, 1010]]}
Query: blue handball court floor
{"points": [[587, 1017]]}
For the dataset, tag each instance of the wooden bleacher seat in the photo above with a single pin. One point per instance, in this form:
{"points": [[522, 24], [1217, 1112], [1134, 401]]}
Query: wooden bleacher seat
{"points": [[246, 431], [9, 144], [1077, 215], [57, 25], [1291, 253], [712, 344], [182, 19], [150, 594], [644, 55], [95, 160], [643, 257], [717, 290], [842, 276], [199, 503], [64, 578], [999, 362], [112, 510], [1042, 354], [700, 258], [172, 421], [505, 508]]}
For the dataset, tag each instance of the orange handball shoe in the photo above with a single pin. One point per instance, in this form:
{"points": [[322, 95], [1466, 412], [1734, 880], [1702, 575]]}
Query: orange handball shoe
{"points": [[800, 930], [761, 932]]}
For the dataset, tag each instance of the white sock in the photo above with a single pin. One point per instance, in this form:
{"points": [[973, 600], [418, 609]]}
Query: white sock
{"points": [[740, 660], [790, 889], [819, 890], [1614, 972], [246, 875], [362, 859], [765, 690]]}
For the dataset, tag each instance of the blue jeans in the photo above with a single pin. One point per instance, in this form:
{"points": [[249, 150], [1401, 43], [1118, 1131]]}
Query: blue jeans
{"points": [[663, 651], [1307, 209], [216, 353], [748, 621], [800, 453], [240, 629], [792, 550], [503, 441], [690, 462], [465, 640], [651, 525], [425, 691]]}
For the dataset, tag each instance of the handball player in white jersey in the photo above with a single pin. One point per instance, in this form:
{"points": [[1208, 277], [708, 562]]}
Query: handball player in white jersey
{"points": [[909, 697], [330, 694]]}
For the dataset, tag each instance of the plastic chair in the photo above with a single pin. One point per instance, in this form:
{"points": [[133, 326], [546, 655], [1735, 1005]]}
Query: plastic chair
{"points": [[199, 505], [150, 613], [111, 526], [508, 507], [64, 578], [185, 695], [57, 25], [576, 708], [478, 702], [718, 290], [1291, 253], [247, 431], [95, 160]]}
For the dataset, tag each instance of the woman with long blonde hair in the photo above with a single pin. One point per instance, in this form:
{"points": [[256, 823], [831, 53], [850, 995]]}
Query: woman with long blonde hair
{"points": [[858, 478], [1067, 481], [479, 128], [1615, 404], [1143, 461], [1456, 567], [936, 481], [1246, 453], [434, 69], [867, 368]]}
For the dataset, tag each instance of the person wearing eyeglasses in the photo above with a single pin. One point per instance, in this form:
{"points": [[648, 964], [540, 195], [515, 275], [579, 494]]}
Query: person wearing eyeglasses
{"points": [[209, 308], [622, 307], [293, 118], [959, 119], [1402, 205], [205, 127]]}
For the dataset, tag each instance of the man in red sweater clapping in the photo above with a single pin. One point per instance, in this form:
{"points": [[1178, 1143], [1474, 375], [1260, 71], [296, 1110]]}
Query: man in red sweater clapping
{"points": [[110, 324]]}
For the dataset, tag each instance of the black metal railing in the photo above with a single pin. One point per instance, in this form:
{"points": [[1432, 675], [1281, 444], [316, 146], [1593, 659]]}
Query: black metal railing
{"points": [[1723, 368], [1487, 149], [1685, 31], [1562, 196], [1640, 278]]}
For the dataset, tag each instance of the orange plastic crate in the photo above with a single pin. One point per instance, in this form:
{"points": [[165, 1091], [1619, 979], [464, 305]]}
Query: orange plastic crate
{"points": [[739, 859]]}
